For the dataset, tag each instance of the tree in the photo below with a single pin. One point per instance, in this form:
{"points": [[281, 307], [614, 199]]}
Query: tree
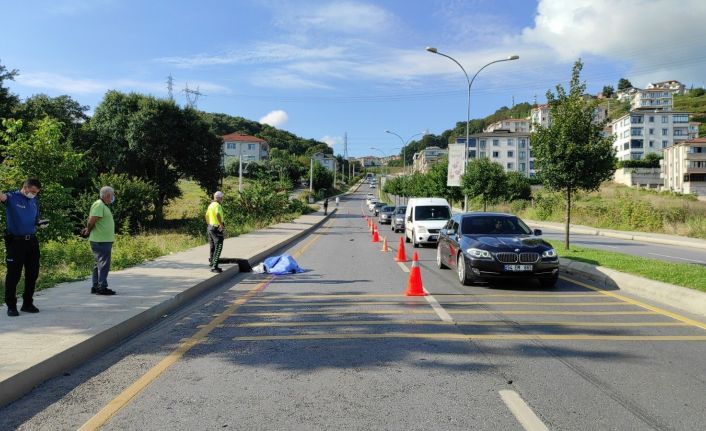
{"points": [[436, 180], [323, 178], [7, 100], [518, 187], [608, 91], [484, 179], [572, 154], [624, 84]]}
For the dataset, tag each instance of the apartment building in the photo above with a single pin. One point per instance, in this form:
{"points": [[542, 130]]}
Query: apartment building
{"points": [[540, 115], [250, 148], [511, 150], [642, 132], [655, 98], [326, 160], [422, 160], [369, 161], [514, 125], [683, 167]]}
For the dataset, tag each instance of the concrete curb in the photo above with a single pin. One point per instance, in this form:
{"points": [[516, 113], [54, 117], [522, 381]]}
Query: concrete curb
{"points": [[22, 383], [689, 300]]}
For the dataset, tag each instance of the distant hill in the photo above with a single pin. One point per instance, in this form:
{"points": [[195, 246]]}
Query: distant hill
{"points": [[223, 124], [695, 105]]}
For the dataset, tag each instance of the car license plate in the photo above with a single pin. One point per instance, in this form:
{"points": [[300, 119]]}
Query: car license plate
{"points": [[518, 268], [432, 237]]}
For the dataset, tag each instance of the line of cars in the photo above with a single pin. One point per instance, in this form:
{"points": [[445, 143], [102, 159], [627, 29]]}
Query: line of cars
{"points": [[480, 246]]}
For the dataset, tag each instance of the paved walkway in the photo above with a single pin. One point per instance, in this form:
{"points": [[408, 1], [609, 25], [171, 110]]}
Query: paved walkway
{"points": [[74, 325]]}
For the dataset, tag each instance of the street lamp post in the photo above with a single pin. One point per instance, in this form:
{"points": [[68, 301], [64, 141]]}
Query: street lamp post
{"points": [[382, 170], [468, 111], [404, 147]]}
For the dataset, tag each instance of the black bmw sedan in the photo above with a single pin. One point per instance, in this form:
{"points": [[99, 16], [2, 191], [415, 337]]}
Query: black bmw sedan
{"points": [[483, 247]]}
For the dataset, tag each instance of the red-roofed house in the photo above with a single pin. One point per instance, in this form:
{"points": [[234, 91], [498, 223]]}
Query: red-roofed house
{"points": [[250, 148]]}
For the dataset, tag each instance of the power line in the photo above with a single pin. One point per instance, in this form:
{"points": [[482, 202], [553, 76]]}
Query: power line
{"points": [[192, 96]]}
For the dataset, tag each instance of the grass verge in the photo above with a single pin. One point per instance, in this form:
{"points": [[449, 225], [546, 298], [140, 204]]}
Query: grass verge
{"points": [[682, 274]]}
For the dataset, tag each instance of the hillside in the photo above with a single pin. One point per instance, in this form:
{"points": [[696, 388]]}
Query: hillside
{"points": [[694, 105]]}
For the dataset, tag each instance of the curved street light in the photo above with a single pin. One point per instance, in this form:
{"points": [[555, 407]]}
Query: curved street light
{"points": [[468, 112], [404, 147]]}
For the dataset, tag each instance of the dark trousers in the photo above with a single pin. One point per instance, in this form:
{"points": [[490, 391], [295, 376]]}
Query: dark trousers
{"points": [[21, 252], [102, 252], [215, 242]]}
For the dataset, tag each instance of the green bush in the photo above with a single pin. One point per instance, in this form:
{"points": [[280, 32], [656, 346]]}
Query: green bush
{"points": [[546, 204]]}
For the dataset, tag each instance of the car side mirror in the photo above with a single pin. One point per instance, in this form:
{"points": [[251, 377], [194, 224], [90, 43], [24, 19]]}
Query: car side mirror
{"points": [[450, 232], [538, 232]]}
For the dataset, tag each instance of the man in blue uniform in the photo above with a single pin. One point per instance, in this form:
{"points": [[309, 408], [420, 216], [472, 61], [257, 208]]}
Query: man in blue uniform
{"points": [[22, 247]]}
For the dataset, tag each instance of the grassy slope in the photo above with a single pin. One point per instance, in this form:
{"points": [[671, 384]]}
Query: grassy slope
{"points": [[694, 105]]}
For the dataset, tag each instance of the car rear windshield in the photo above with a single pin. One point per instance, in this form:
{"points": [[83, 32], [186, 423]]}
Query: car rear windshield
{"points": [[400, 210], [387, 209], [489, 225], [432, 212]]}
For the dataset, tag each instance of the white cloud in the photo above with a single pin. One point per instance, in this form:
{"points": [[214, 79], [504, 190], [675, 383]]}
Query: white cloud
{"points": [[285, 79], [335, 17], [332, 141], [277, 118], [71, 85]]}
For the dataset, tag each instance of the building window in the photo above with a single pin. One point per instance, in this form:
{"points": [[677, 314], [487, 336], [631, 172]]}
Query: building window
{"points": [[473, 154], [665, 119], [652, 131], [637, 119], [665, 132], [509, 166], [635, 156], [696, 150], [511, 154], [482, 143], [532, 164], [652, 144], [510, 141], [636, 131], [665, 144], [679, 132], [652, 118], [636, 143], [251, 147], [496, 154], [496, 142], [482, 154], [522, 142], [230, 146], [522, 154], [626, 146], [522, 167], [680, 118]]}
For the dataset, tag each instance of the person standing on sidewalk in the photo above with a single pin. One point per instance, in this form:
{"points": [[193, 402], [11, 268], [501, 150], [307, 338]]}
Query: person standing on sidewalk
{"points": [[325, 206], [100, 230], [215, 230], [21, 244]]}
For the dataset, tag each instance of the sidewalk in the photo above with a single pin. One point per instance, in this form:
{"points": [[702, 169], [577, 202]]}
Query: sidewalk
{"points": [[74, 325]]}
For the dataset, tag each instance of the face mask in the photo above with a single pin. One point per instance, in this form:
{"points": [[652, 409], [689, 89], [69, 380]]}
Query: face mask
{"points": [[30, 195]]}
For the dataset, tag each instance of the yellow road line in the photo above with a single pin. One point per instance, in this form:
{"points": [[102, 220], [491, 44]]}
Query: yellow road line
{"points": [[119, 402], [416, 302], [465, 337], [442, 323], [652, 308]]}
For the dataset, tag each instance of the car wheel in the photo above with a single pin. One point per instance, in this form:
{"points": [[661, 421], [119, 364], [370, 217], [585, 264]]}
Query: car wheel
{"points": [[548, 283], [461, 270], [439, 260], [415, 244]]}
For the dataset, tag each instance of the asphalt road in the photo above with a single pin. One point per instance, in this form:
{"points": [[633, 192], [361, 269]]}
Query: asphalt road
{"points": [[339, 347]]}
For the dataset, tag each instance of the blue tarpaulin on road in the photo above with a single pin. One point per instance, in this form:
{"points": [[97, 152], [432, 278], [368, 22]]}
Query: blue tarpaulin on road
{"points": [[280, 265]]}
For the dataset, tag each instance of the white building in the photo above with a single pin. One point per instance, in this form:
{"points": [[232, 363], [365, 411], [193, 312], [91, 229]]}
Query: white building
{"points": [[675, 86], [654, 98], [511, 150], [514, 125], [540, 115], [326, 160], [422, 160], [642, 132], [684, 167], [250, 148]]}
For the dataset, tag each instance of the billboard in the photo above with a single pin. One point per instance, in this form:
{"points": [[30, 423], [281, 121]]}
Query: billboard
{"points": [[456, 164]]}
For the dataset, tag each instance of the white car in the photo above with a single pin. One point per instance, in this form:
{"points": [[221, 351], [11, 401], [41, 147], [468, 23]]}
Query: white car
{"points": [[368, 198], [372, 203]]}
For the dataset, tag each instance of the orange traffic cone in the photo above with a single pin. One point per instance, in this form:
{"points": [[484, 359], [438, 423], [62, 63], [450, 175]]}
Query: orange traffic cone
{"points": [[401, 255], [414, 284], [384, 244], [376, 236]]}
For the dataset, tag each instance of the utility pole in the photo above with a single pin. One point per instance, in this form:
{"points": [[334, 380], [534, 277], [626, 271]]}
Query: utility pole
{"points": [[192, 96], [170, 87], [311, 175]]}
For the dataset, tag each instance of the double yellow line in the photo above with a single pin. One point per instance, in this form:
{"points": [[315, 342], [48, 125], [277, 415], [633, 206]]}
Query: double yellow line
{"points": [[118, 403]]}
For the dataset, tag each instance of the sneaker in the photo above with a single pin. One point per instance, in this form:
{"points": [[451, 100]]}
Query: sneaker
{"points": [[104, 291], [29, 308], [12, 312], [94, 289], [216, 269]]}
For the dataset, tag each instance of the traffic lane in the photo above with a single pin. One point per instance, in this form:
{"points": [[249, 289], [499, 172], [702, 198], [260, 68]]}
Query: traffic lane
{"points": [[668, 253], [574, 346], [325, 383]]}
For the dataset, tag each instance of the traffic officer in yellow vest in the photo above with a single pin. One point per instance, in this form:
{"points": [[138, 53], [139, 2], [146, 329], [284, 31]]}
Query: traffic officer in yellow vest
{"points": [[215, 229]]}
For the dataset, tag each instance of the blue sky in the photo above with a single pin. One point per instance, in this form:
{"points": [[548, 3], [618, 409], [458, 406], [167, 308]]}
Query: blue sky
{"points": [[322, 68]]}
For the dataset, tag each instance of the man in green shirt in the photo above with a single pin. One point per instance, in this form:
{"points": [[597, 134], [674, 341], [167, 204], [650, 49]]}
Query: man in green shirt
{"points": [[215, 228], [100, 230]]}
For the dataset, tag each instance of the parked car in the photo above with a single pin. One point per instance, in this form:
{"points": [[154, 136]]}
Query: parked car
{"points": [[483, 247], [377, 206], [397, 223], [424, 217], [372, 203], [385, 216]]}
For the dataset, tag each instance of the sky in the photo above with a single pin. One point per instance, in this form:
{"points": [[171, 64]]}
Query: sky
{"points": [[325, 69]]}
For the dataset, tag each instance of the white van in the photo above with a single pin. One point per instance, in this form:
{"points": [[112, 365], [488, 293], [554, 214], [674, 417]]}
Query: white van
{"points": [[424, 218]]}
